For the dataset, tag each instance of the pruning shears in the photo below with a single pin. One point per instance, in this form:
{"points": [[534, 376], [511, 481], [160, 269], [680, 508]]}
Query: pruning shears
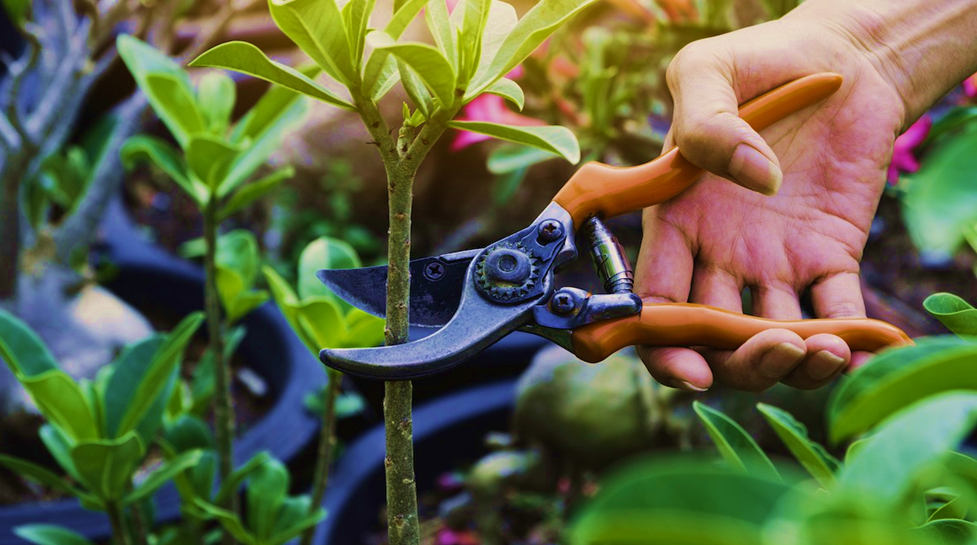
{"points": [[477, 297]]}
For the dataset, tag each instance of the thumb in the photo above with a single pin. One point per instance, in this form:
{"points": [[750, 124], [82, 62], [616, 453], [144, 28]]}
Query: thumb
{"points": [[706, 125]]}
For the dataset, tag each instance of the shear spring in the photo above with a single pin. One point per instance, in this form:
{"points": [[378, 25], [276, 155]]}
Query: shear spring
{"points": [[607, 254]]}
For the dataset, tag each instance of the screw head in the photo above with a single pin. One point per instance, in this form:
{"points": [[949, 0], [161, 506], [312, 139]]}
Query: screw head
{"points": [[434, 271], [550, 230], [563, 302]]}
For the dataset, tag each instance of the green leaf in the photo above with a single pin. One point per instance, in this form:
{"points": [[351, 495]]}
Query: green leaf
{"points": [[898, 377], [501, 21], [142, 386], [238, 251], [323, 253], [166, 85], [254, 191], [474, 14], [238, 476], [323, 323], [299, 506], [955, 313], [188, 433], [736, 446], [532, 30], [142, 148], [439, 23], [229, 521], [953, 509], [129, 370], [363, 330], [267, 489], [358, 18], [247, 59], [265, 144], [18, 11], [288, 303], [950, 532], [511, 158], [45, 534], [216, 95], [107, 467], [912, 439], [815, 459], [270, 109], [415, 89], [210, 159], [558, 140], [940, 201], [245, 303], [59, 445], [162, 475], [427, 62], [316, 26], [380, 72], [38, 474], [509, 90], [62, 402], [21, 349]]}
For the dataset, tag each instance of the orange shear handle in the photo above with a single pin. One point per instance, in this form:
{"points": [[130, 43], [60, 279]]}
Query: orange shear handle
{"points": [[687, 324], [609, 191]]}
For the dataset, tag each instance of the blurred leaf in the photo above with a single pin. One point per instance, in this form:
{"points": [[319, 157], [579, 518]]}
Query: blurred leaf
{"points": [[202, 384], [238, 251], [347, 404], [509, 90], [18, 11], [815, 459], [294, 519], [62, 402], [254, 191], [107, 466], [910, 440], [898, 377], [240, 474], [323, 322], [270, 109], [21, 349], [316, 26], [45, 534], [505, 186], [737, 447], [554, 139], [39, 475], [953, 509], [140, 148], [267, 489], [129, 370], [324, 253], [188, 433], [161, 475], [216, 95], [955, 313], [950, 532], [427, 63], [941, 199], [288, 303], [166, 85], [59, 445], [210, 159], [363, 330], [229, 521]]}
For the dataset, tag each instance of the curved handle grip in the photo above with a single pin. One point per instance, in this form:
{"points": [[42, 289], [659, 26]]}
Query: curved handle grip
{"points": [[602, 189], [686, 324]]}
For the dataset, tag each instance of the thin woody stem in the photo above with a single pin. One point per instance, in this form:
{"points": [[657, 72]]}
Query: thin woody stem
{"points": [[327, 444]]}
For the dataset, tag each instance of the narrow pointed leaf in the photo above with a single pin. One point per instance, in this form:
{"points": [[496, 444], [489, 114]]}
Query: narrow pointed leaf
{"points": [[436, 16], [502, 19], [216, 95], [162, 475], [62, 402], [210, 159], [426, 61], [815, 459], [316, 26], [475, 16], [38, 474], [736, 446], [509, 90], [415, 89], [255, 191], [45, 534], [271, 107], [558, 140], [229, 521], [247, 59], [379, 71], [179, 105], [59, 445], [240, 474], [358, 21], [142, 148]]}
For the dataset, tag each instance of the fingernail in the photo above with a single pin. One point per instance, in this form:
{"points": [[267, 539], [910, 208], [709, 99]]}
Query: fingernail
{"points": [[779, 360], [824, 364], [688, 387], [752, 169]]}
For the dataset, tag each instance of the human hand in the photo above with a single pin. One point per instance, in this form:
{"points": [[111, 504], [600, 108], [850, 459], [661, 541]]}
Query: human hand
{"points": [[828, 162]]}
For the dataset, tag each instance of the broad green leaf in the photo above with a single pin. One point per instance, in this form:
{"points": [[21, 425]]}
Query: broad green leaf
{"points": [[474, 14], [363, 330], [502, 19], [216, 95], [153, 378], [59, 445], [912, 439], [558, 140], [323, 322], [955, 313], [898, 377], [509, 90], [254, 191], [533, 29], [144, 61], [736, 446], [238, 252], [323, 253], [140, 148], [815, 459], [38, 474], [153, 420], [679, 502], [436, 17], [270, 109], [267, 489], [107, 467], [45, 534], [510, 158], [245, 303], [380, 72], [247, 59], [210, 159], [303, 520], [953, 509], [316, 26], [229, 521], [940, 201], [950, 531], [17, 10], [21, 349], [162, 475], [288, 303], [62, 402], [427, 63], [188, 433], [129, 370]]}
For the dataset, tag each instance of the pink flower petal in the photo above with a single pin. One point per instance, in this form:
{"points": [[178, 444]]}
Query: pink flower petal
{"points": [[490, 108]]}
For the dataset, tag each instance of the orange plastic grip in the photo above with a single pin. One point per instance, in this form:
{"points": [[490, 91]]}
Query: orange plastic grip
{"points": [[609, 191], [687, 324]]}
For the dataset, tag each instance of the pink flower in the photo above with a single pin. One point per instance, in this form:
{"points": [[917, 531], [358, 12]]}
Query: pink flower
{"points": [[490, 108], [970, 86], [903, 159]]}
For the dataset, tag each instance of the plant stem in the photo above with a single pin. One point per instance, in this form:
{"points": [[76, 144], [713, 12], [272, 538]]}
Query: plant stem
{"points": [[9, 226], [327, 444], [138, 525], [119, 534], [223, 409]]}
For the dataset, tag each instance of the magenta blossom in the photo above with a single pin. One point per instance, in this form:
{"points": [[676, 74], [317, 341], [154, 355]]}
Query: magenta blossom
{"points": [[903, 159], [970, 86]]}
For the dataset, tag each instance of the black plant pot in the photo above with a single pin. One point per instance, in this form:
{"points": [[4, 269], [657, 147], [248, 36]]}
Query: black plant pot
{"points": [[447, 431], [151, 278]]}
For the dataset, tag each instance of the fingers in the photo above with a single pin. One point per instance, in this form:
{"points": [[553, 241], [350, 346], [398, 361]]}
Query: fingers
{"points": [[760, 362], [827, 357], [681, 368], [706, 123], [840, 296]]}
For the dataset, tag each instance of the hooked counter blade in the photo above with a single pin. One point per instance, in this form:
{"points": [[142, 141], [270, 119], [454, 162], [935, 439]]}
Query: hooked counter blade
{"points": [[436, 284]]}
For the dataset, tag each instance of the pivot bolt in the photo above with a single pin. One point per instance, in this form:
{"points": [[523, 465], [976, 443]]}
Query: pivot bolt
{"points": [[434, 271], [564, 302], [550, 231]]}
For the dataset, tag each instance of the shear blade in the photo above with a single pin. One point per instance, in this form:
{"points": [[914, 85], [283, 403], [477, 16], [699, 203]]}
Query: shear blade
{"points": [[435, 287]]}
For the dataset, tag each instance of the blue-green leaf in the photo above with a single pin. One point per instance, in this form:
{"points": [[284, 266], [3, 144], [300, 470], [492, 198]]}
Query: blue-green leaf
{"points": [[45, 534], [38, 474], [267, 489], [21, 349]]}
